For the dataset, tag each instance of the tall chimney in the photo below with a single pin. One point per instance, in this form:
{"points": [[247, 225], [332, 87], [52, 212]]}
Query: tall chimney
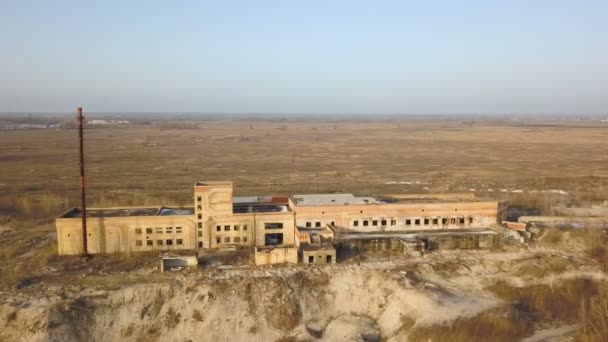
{"points": [[83, 203]]}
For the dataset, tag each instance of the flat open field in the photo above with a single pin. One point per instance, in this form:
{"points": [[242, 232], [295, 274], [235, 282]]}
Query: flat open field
{"points": [[154, 164]]}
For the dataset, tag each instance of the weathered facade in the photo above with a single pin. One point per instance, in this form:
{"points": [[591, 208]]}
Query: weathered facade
{"points": [[277, 226]]}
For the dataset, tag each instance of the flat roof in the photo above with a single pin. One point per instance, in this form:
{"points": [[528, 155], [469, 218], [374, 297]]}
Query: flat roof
{"points": [[127, 212], [413, 235], [240, 208], [331, 199]]}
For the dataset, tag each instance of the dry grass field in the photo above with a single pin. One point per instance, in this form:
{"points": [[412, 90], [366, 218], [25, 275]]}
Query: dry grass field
{"points": [[537, 165], [158, 163]]}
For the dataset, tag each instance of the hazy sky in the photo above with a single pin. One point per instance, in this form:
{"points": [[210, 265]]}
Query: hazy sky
{"points": [[288, 56]]}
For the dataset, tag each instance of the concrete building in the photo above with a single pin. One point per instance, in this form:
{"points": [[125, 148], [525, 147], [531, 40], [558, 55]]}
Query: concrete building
{"points": [[279, 228]]}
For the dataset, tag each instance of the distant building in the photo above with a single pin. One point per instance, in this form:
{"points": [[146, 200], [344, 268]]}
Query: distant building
{"points": [[279, 228]]}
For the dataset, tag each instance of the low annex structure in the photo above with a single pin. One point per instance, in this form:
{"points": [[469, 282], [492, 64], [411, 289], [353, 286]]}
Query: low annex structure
{"points": [[280, 228]]}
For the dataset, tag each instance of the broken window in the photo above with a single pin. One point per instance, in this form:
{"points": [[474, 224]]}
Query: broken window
{"points": [[374, 222], [178, 229], [328, 259], [244, 239], [311, 259], [393, 222], [149, 243], [308, 224], [200, 216], [200, 244], [200, 234], [218, 239], [159, 230], [277, 225], [169, 229], [365, 222], [159, 242], [148, 230], [227, 227], [333, 223], [179, 241], [273, 239], [138, 243], [227, 239], [383, 222], [461, 220], [244, 227], [356, 223], [435, 221], [199, 207], [237, 227], [199, 198], [453, 221], [408, 222], [200, 224], [417, 222], [444, 221], [317, 224], [137, 230], [237, 239], [169, 242], [471, 220]]}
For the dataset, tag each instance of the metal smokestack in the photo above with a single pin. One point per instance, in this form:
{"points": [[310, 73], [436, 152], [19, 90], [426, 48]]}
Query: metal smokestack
{"points": [[83, 203]]}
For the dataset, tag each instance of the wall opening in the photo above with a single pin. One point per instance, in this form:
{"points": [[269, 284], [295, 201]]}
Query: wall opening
{"points": [[273, 239]]}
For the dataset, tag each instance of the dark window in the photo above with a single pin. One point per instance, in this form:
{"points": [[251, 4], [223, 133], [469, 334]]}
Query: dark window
{"points": [[148, 230], [426, 222], [149, 243], [277, 225], [356, 223], [199, 207], [227, 227], [244, 227], [159, 242], [179, 241], [461, 220], [244, 239], [200, 225], [328, 259], [218, 228], [393, 222], [444, 221], [317, 224], [383, 223], [138, 243], [237, 227], [169, 229], [417, 222], [200, 216], [159, 230], [311, 259], [470, 220], [408, 222], [218, 239], [178, 229], [435, 221], [200, 234], [453, 221], [227, 239], [169, 242], [199, 198], [333, 223], [200, 244], [365, 222], [273, 239], [137, 230], [237, 239], [374, 222], [308, 224]]}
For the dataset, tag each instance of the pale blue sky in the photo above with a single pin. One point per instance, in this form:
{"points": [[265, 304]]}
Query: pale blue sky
{"points": [[305, 56]]}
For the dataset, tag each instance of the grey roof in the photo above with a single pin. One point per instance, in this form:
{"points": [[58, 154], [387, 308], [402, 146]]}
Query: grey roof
{"points": [[331, 199]]}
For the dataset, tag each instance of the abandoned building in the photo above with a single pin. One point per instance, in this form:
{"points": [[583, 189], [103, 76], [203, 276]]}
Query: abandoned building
{"points": [[281, 229]]}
